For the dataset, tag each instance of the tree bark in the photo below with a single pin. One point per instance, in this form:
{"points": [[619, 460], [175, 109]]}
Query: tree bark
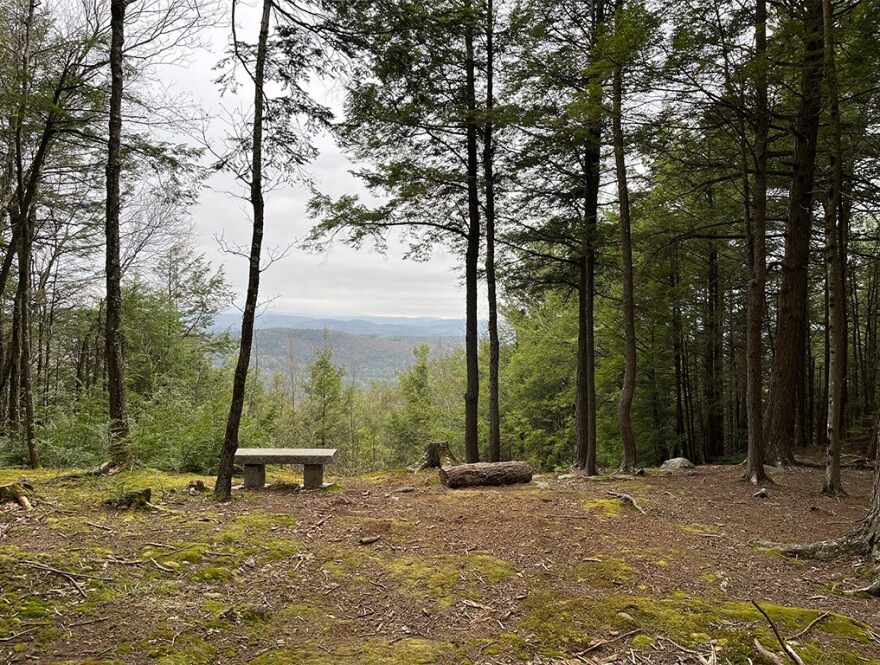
{"points": [[25, 376], [714, 359], [585, 381], [119, 450], [472, 254], [837, 336], [495, 473], [788, 366], [223, 485], [489, 175], [756, 256], [624, 407]]}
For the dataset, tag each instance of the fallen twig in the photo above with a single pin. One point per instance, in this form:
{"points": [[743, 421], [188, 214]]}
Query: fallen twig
{"points": [[806, 630], [158, 565], [601, 644], [58, 571], [17, 635], [626, 498], [786, 647], [764, 651]]}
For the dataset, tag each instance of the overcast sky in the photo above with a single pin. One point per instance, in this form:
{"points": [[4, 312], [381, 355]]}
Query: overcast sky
{"points": [[343, 282]]}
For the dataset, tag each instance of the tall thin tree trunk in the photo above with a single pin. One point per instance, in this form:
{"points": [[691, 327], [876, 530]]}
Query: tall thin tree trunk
{"points": [[714, 371], [489, 175], [756, 256], [789, 360], [223, 485], [837, 337], [624, 407], [472, 255], [585, 386], [119, 449], [26, 383]]}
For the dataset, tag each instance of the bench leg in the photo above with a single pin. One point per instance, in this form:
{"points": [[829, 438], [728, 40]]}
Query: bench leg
{"points": [[313, 476], [254, 475]]}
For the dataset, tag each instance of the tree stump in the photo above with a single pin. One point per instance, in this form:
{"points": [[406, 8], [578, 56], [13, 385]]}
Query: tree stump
{"points": [[135, 500], [485, 473], [436, 455], [16, 493]]}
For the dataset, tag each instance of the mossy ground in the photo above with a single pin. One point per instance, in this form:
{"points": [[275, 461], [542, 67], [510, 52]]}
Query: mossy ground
{"points": [[498, 575]]}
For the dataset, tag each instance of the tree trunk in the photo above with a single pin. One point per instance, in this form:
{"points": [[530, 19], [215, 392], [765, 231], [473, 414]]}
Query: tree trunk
{"points": [[472, 254], [119, 450], [714, 371], [26, 383], [624, 407], [489, 175], [788, 366], [837, 336], [436, 455], [756, 256], [475, 475], [223, 486]]}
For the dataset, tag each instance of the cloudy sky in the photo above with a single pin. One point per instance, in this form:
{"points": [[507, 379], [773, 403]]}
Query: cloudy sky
{"points": [[343, 282]]}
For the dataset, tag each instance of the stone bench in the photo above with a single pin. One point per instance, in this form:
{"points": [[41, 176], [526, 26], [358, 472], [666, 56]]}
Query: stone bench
{"points": [[312, 459]]}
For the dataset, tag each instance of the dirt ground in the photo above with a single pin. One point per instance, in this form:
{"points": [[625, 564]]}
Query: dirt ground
{"points": [[556, 571]]}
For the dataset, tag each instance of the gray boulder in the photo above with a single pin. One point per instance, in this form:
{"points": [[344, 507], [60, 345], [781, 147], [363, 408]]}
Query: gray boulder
{"points": [[677, 463]]}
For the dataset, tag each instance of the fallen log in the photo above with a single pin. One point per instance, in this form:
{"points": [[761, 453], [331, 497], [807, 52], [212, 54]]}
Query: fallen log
{"points": [[485, 473], [16, 493]]}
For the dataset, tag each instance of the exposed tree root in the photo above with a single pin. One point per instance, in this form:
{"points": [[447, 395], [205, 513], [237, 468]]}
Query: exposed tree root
{"points": [[853, 544], [859, 543]]}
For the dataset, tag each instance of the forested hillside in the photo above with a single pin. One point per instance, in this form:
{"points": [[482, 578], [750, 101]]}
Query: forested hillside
{"points": [[365, 358]]}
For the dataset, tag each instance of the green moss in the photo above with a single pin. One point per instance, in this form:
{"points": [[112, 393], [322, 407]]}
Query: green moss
{"points": [[377, 651], [168, 648], [643, 642], [214, 574], [697, 528], [442, 576], [607, 508], [570, 622], [604, 574]]}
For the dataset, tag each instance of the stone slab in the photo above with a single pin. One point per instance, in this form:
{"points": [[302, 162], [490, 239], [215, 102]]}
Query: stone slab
{"points": [[285, 455]]}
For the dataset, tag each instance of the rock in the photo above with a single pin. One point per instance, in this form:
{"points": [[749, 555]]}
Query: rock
{"points": [[542, 485], [196, 486], [770, 470], [677, 463], [565, 476]]}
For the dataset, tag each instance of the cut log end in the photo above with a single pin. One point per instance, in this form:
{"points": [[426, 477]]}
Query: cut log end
{"points": [[485, 473], [15, 493]]}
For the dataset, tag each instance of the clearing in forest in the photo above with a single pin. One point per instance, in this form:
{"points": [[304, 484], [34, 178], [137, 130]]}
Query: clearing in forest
{"points": [[556, 571]]}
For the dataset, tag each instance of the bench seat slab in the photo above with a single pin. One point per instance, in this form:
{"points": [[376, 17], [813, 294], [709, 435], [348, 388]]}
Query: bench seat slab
{"points": [[285, 455]]}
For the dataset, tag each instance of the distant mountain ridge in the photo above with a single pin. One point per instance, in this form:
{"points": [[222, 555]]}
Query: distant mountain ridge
{"points": [[372, 326], [288, 352]]}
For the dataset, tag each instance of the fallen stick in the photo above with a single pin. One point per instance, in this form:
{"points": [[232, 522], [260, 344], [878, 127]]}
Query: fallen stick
{"points": [[626, 498], [787, 648], [16, 635], [62, 573], [764, 651], [58, 571], [601, 644], [806, 630]]}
